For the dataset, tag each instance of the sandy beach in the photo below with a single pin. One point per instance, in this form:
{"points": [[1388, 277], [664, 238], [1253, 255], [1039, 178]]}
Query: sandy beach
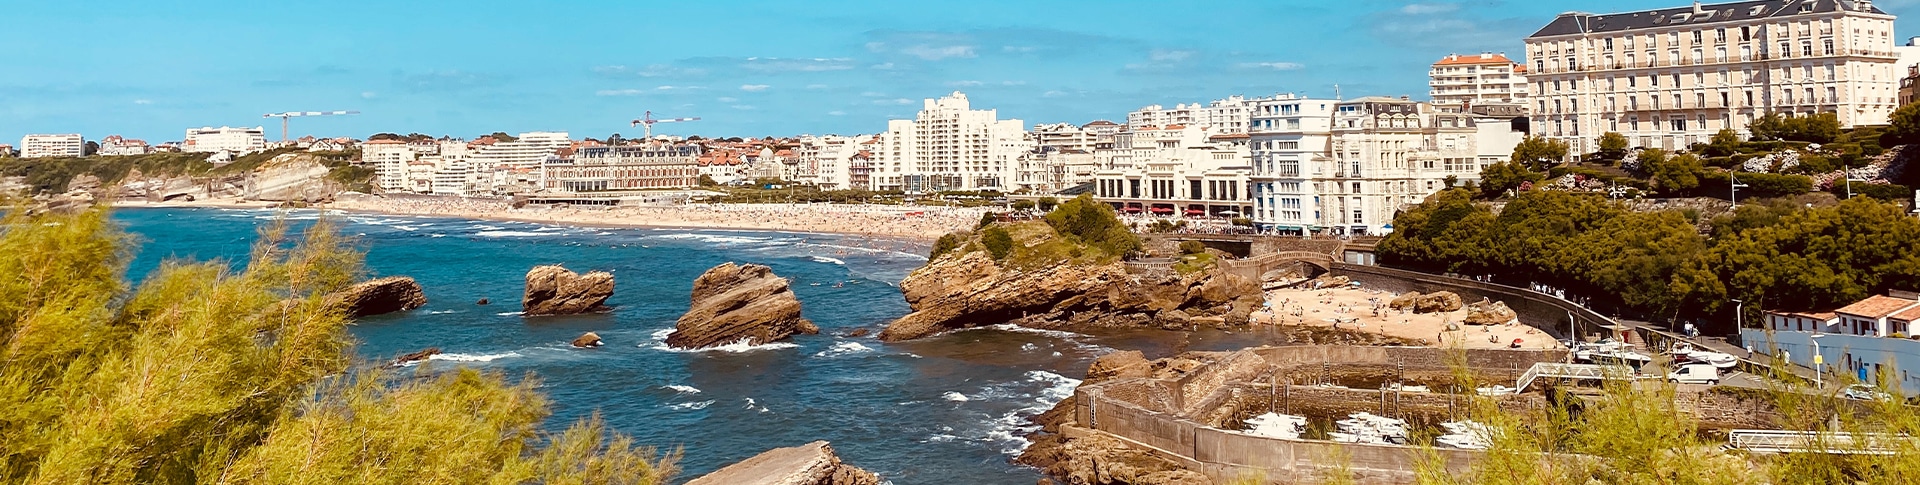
{"points": [[915, 223], [1364, 310]]}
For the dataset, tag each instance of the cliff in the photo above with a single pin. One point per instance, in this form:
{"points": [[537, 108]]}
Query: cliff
{"points": [[966, 288], [734, 303]]}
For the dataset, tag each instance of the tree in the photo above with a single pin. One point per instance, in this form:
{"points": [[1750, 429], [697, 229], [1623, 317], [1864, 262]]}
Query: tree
{"points": [[1725, 142], [998, 241], [1500, 177], [1539, 153], [1092, 223], [386, 136], [1675, 175], [1906, 126], [707, 181], [503, 136], [1047, 204], [1613, 146], [268, 395], [1023, 205], [90, 148]]}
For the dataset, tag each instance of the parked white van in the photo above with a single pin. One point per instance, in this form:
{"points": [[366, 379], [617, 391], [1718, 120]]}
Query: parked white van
{"points": [[1695, 374]]}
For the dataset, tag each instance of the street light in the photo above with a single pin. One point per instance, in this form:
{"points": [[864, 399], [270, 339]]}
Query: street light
{"points": [[1738, 315], [1818, 382]]}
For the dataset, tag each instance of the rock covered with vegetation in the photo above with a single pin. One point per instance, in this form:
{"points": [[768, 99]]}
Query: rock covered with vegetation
{"points": [[285, 174], [552, 290], [735, 303], [269, 393], [1063, 272]]}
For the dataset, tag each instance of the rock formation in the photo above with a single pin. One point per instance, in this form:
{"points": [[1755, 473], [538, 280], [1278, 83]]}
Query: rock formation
{"points": [[482, 301], [587, 341], [552, 290], [1485, 312], [969, 289], [810, 464], [414, 357], [732, 303], [1436, 302], [380, 296]]}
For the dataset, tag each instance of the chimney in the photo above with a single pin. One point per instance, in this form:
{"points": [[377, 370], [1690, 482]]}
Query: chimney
{"points": [[1864, 5]]}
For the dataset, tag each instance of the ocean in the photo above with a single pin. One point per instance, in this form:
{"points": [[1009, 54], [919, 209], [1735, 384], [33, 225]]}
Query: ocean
{"points": [[949, 409]]}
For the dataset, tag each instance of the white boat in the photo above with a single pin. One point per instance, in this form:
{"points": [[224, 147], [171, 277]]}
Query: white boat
{"points": [[1365, 427], [1466, 435], [1688, 353], [1274, 425]]}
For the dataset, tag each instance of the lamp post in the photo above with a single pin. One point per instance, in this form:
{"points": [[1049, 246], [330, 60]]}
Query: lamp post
{"points": [[1818, 374], [1738, 316]]}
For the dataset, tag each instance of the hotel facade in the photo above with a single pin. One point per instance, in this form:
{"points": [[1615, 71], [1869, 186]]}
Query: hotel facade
{"points": [[1672, 77]]}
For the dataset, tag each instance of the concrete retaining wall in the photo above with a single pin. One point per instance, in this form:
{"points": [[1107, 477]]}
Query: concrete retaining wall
{"points": [[1538, 310]]}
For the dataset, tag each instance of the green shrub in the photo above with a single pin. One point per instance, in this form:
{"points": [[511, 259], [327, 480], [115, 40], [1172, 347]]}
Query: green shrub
{"points": [[998, 242], [1048, 203], [1086, 221], [1192, 247], [947, 243], [1023, 205], [1715, 184], [987, 219], [1891, 192]]}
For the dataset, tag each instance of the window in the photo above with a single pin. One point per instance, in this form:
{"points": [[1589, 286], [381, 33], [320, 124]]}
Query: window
{"points": [[1749, 98], [1830, 95], [1699, 100], [1810, 97], [1806, 48], [1786, 95], [1656, 101], [1679, 124], [1696, 37], [1653, 80], [1631, 80], [1720, 35], [1723, 100], [1723, 77], [1785, 50], [1829, 72], [1702, 118], [1676, 79], [1827, 45], [1634, 121], [1719, 54]]}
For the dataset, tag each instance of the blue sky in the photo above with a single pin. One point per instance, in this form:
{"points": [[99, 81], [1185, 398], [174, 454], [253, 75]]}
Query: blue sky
{"points": [[151, 69]]}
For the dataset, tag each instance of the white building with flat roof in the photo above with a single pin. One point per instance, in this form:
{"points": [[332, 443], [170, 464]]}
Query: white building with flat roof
{"points": [[389, 159], [65, 145], [1225, 116], [950, 146], [237, 140], [1458, 81], [1178, 170]]}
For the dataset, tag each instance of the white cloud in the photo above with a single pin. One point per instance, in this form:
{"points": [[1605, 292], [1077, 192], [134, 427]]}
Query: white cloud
{"points": [[653, 70], [1169, 55], [777, 64], [816, 86], [965, 84], [1053, 94], [836, 113], [874, 94], [1277, 66], [678, 88], [727, 99], [743, 107], [1428, 8], [894, 101], [935, 53], [618, 92], [754, 88], [368, 95], [885, 66], [143, 101]]}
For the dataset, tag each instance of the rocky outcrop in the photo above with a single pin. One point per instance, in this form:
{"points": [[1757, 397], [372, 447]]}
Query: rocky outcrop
{"points": [[380, 296], [423, 354], [969, 289], [810, 464], [587, 341], [1486, 312], [1126, 363], [552, 290], [1436, 302], [734, 303]]}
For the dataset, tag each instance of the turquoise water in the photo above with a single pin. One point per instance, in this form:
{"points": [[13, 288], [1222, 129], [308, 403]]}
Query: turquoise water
{"points": [[937, 411]]}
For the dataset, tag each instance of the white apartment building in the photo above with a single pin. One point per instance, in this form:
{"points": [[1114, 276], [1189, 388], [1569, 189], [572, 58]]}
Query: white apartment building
{"points": [[1671, 77], [67, 145], [1067, 155], [453, 178], [390, 160], [1224, 116], [1348, 167], [1177, 170], [826, 161], [237, 140], [514, 163], [949, 146], [1458, 81], [114, 145]]}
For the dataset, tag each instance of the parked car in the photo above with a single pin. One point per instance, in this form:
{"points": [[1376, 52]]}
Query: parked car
{"points": [[1863, 392], [1695, 374]]}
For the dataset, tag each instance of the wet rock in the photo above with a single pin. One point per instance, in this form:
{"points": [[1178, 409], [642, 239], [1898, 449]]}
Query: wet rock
{"points": [[553, 290], [380, 296], [587, 341], [858, 332], [734, 303], [810, 464], [421, 355], [482, 301]]}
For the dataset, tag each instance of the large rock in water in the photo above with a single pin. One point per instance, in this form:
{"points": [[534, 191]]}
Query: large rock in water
{"points": [[552, 290], [961, 290], [810, 464], [384, 295], [732, 303]]}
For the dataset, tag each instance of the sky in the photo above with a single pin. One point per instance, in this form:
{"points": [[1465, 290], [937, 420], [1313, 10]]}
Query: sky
{"points": [[151, 69]]}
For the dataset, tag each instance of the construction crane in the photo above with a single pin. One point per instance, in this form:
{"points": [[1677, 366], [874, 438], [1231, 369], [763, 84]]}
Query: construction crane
{"points": [[648, 121], [292, 114]]}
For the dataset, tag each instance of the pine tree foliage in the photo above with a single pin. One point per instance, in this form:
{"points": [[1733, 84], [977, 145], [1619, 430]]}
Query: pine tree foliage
{"points": [[205, 373]]}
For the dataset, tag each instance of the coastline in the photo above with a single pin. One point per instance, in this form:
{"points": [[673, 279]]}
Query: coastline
{"points": [[919, 225]]}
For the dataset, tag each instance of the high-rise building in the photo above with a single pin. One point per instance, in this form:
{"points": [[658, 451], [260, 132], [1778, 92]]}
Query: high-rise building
{"points": [[389, 159], [950, 146], [1224, 116], [1458, 81], [1668, 78], [517, 162], [67, 145], [237, 140]]}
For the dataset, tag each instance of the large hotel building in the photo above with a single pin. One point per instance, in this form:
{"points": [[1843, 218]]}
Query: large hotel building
{"points": [[1672, 77]]}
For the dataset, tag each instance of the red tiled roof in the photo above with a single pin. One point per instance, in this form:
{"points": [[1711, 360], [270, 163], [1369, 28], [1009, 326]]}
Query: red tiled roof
{"points": [[1876, 306], [1907, 315], [1474, 60]]}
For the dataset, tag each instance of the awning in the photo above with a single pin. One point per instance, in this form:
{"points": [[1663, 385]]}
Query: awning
{"points": [[1132, 209], [1162, 210], [1195, 211]]}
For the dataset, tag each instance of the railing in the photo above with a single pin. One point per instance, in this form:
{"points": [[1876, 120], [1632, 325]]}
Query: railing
{"points": [[1571, 371], [1775, 441]]}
